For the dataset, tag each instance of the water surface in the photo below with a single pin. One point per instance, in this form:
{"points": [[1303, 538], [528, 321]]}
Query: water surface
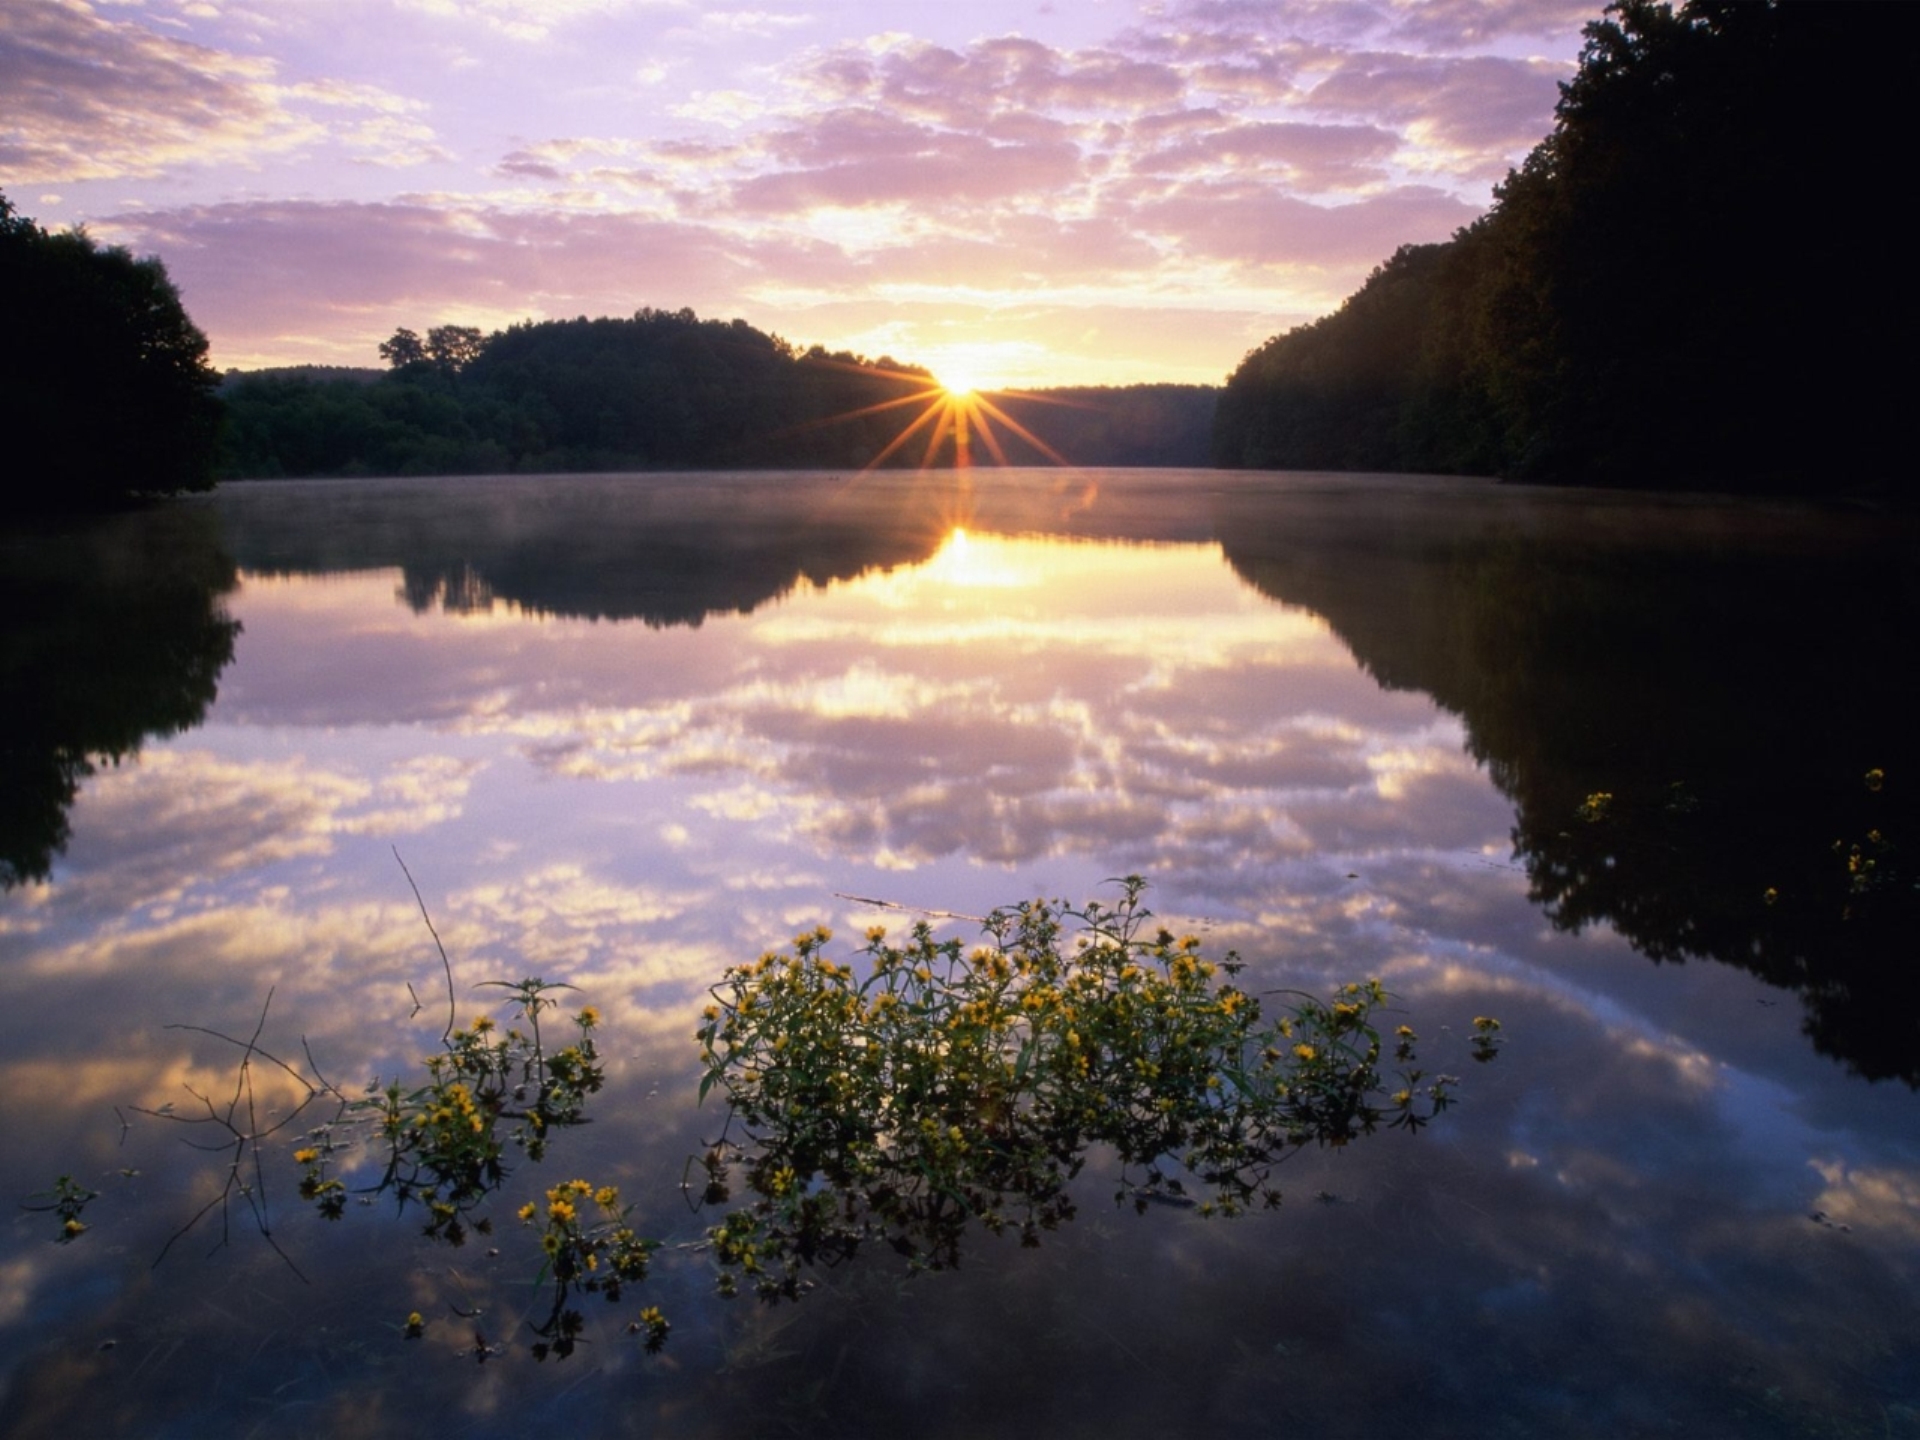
{"points": [[625, 731]]}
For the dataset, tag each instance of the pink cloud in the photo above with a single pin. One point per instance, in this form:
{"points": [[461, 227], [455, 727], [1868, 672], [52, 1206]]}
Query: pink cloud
{"points": [[1482, 103], [993, 77], [1258, 225], [1315, 157], [867, 157], [89, 99], [252, 272]]}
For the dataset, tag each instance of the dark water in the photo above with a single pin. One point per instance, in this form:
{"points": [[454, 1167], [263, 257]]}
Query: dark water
{"points": [[625, 732]]}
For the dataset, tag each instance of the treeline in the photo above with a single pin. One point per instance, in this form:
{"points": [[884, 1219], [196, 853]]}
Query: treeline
{"points": [[105, 389], [1686, 285], [661, 390], [1153, 425]]}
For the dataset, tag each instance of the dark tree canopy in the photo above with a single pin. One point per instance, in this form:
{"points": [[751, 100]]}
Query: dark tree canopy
{"points": [[661, 389], [1682, 286], [105, 389]]}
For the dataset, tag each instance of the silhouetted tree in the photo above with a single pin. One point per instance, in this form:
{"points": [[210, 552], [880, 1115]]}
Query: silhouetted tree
{"points": [[402, 349], [105, 389], [454, 347]]}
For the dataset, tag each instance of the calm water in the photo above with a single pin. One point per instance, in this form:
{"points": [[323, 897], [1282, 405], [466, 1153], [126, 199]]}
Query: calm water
{"points": [[625, 732]]}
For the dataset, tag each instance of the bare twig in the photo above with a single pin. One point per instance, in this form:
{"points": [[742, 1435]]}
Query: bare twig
{"points": [[445, 963], [909, 909]]}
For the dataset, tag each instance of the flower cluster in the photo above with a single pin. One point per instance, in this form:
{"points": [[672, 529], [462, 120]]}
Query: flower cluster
{"points": [[590, 1249], [950, 1087], [444, 1143]]}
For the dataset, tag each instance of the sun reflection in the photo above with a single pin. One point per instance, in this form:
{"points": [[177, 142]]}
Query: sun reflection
{"points": [[981, 561]]}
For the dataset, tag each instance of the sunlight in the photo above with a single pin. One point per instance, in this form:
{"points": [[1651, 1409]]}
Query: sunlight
{"points": [[976, 562], [953, 415]]}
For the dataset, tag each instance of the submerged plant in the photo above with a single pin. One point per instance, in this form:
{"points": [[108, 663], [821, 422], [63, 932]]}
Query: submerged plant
{"points": [[946, 1088], [67, 1200], [594, 1256], [444, 1140]]}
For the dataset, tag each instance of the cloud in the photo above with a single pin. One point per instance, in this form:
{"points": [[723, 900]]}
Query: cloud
{"points": [[1242, 164], [534, 21], [1310, 157], [866, 157], [91, 98], [1482, 107], [761, 23], [147, 834], [262, 272], [1256, 224], [1457, 24], [1007, 74]]}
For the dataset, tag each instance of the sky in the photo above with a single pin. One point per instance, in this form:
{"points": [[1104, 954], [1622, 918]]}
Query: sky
{"points": [[1010, 192]]}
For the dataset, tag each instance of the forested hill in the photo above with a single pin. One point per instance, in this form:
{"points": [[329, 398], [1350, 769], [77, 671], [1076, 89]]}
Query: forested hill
{"points": [[1684, 286], [660, 390]]}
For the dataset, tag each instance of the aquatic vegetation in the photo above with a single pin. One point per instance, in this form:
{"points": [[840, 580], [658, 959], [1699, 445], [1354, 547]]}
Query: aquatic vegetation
{"points": [[947, 1088], [67, 1200], [444, 1140], [935, 1090]]}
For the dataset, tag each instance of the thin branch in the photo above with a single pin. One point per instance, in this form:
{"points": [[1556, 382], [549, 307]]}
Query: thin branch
{"points": [[909, 909], [445, 963]]}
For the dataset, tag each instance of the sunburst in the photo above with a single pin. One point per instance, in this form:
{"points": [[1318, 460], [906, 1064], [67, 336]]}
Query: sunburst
{"points": [[956, 412]]}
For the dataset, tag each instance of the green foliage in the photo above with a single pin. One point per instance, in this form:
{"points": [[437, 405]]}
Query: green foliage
{"points": [[1648, 302], [105, 389], [444, 1142], [949, 1088], [591, 1257]]}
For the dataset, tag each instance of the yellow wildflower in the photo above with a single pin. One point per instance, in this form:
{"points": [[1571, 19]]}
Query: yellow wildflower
{"points": [[589, 1017], [305, 1157]]}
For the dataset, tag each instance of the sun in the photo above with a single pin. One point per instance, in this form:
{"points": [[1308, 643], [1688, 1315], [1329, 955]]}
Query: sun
{"points": [[955, 413]]}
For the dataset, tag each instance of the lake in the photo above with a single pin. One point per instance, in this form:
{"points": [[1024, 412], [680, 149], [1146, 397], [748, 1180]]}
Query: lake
{"points": [[1634, 775]]}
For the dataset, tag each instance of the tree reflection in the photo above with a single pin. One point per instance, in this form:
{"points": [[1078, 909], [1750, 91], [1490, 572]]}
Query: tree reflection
{"points": [[1727, 679], [654, 550], [115, 633]]}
